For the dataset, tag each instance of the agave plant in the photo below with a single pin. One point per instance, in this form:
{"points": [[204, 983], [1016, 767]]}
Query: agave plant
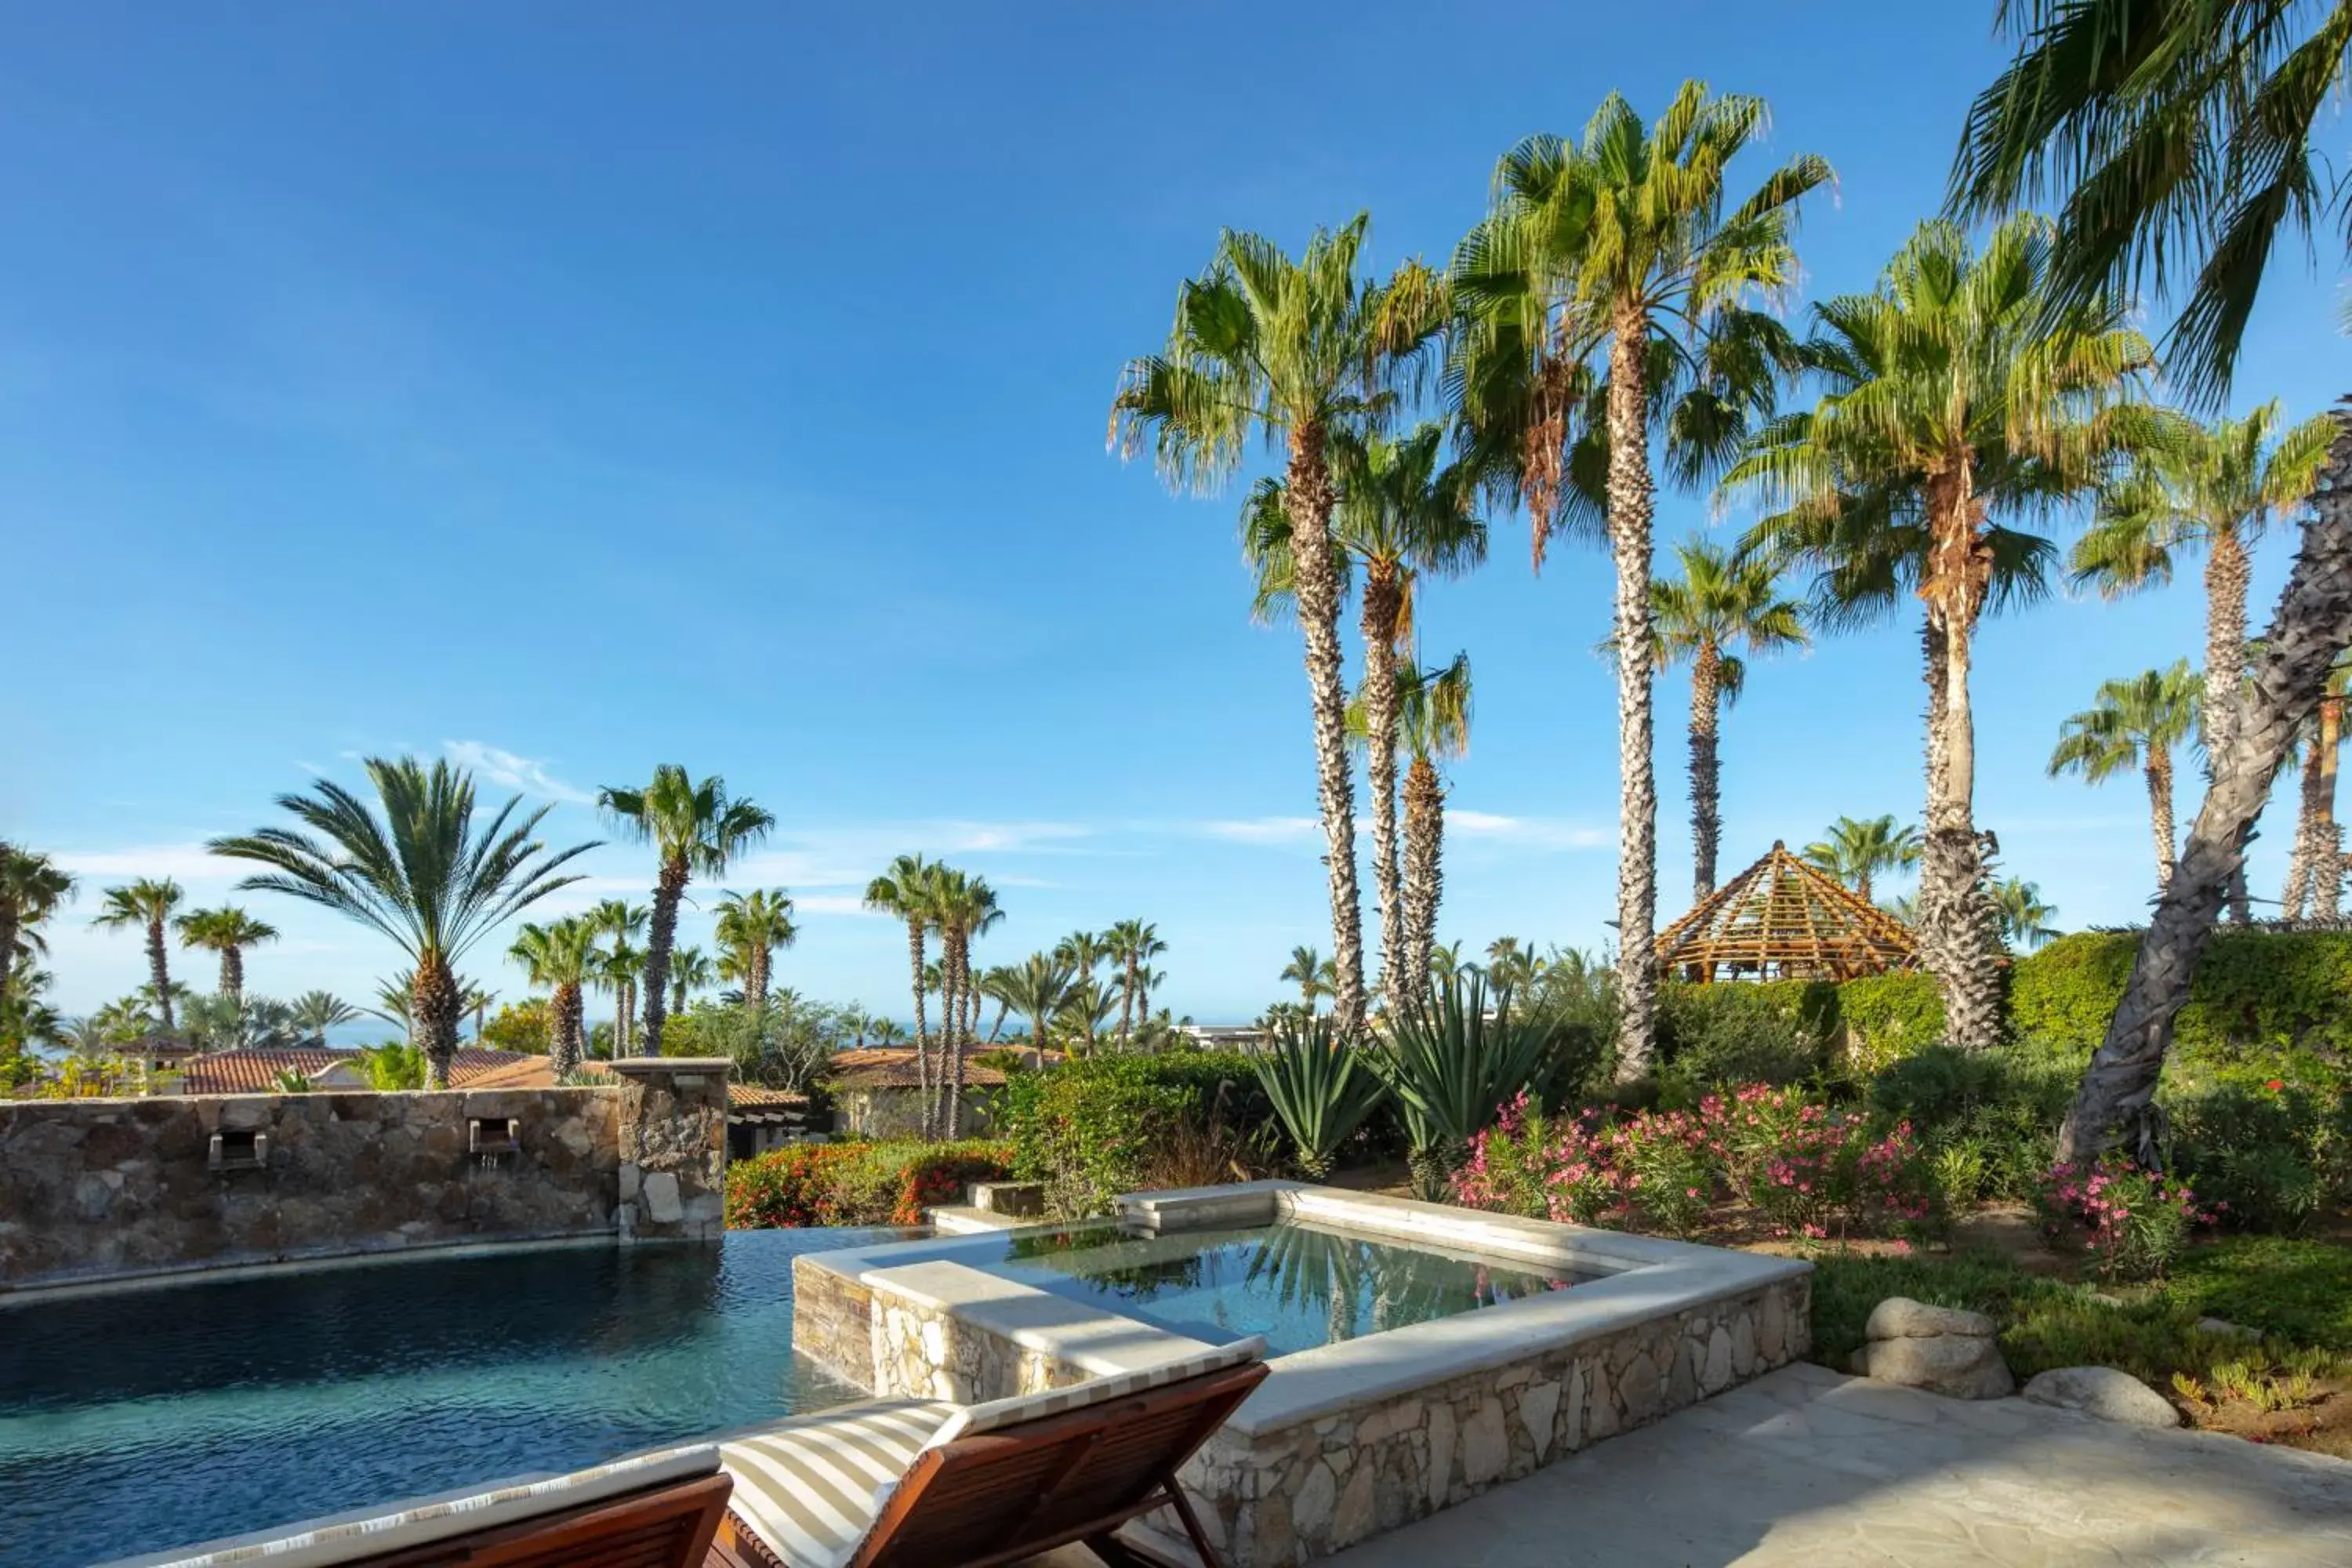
{"points": [[1321, 1089], [1451, 1065]]}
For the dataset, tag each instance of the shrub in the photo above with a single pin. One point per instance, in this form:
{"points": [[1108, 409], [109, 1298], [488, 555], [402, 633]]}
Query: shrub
{"points": [[2135, 1223], [1715, 1037], [2001, 1108], [1450, 1063], [2254, 992], [1889, 1017], [2263, 1152], [1093, 1129], [805, 1185]]}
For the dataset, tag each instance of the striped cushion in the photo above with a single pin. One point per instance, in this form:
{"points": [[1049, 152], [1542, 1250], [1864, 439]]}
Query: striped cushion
{"points": [[812, 1487], [1000, 1412], [367, 1532]]}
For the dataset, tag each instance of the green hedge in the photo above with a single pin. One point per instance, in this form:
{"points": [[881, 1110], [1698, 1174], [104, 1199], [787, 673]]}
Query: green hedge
{"points": [[2254, 991], [1097, 1127], [891, 1183]]}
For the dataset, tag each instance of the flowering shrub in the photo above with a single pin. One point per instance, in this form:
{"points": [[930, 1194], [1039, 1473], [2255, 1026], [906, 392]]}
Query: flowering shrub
{"points": [[805, 1185], [2134, 1222]]}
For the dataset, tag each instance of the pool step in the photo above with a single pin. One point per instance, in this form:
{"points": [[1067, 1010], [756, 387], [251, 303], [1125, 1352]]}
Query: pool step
{"points": [[959, 1219]]}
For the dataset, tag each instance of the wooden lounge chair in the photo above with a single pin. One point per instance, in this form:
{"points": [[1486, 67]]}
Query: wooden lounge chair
{"points": [[649, 1511], [911, 1484]]}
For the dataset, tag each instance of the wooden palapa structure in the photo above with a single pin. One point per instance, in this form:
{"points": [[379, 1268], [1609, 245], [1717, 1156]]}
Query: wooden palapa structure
{"points": [[1783, 920]]}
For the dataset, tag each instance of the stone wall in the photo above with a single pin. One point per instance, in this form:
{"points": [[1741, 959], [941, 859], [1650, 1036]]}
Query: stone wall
{"points": [[673, 1148], [833, 1320], [918, 1351], [94, 1189]]}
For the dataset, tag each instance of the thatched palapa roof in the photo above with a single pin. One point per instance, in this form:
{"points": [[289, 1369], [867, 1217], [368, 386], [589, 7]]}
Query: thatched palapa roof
{"points": [[1783, 920]]}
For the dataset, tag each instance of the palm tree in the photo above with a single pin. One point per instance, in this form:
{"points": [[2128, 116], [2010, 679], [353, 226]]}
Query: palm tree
{"points": [[562, 957], [1306, 969], [1294, 352], [2136, 724], [886, 1031], [2024, 918], [476, 1001], [1722, 603], [906, 890], [1036, 990], [1858, 849], [146, 905], [2316, 864], [1951, 393], [1082, 951], [1433, 706], [2166, 131], [962, 907], [1133, 945], [694, 829], [418, 872], [31, 888], [316, 1012], [1620, 242], [690, 970], [749, 929], [392, 1002], [228, 931], [620, 968]]}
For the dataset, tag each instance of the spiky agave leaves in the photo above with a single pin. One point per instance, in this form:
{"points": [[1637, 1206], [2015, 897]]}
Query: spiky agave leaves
{"points": [[1321, 1087], [1453, 1063]]}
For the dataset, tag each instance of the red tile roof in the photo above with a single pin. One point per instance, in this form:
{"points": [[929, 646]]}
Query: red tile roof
{"points": [[256, 1071], [893, 1066]]}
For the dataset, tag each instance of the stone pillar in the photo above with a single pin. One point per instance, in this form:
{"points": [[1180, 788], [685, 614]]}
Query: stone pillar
{"points": [[673, 1148]]}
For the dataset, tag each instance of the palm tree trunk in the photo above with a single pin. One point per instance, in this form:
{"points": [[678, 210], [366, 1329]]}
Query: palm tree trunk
{"points": [[1959, 933], [10, 926], [2160, 813], [1126, 1003], [2313, 622], [564, 1019], [2294, 899], [2327, 837], [668, 889], [922, 1028], [1706, 772], [2228, 576], [1383, 601], [435, 1006], [1637, 806], [954, 947], [1308, 498], [232, 974], [1424, 830], [159, 967]]}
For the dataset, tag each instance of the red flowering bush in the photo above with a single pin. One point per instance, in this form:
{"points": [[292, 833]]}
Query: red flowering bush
{"points": [[2134, 1222], [805, 1185]]}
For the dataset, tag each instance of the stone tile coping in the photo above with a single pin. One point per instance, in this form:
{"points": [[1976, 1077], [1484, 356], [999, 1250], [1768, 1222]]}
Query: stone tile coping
{"points": [[961, 1219], [199, 1273], [1647, 1277], [1096, 1341]]}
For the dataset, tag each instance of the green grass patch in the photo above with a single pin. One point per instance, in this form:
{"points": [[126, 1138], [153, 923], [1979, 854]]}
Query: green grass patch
{"points": [[2300, 1291]]}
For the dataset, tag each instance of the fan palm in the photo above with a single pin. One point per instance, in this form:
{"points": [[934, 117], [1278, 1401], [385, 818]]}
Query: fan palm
{"points": [[690, 970], [228, 931], [1307, 970], [419, 872], [2024, 918], [962, 907], [2182, 140], [2315, 879], [2136, 724], [1951, 393], [1858, 848], [695, 829], [562, 957], [1721, 602], [907, 890], [146, 906], [1433, 722], [1133, 945], [316, 1012], [1624, 241], [1082, 951], [1036, 990], [31, 888], [749, 929], [618, 971], [1293, 352]]}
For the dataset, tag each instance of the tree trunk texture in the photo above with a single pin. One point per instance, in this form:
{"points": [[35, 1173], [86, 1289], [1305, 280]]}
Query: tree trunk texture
{"points": [[1637, 809], [2326, 836], [1316, 589], [2228, 574], [159, 968], [951, 1048], [1383, 601], [2313, 623], [232, 974], [1126, 1004], [1958, 936], [1424, 876], [435, 1006], [1706, 770], [10, 928], [668, 889], [563, 1031], [2295, 899], [2160, 813], [922, 1029]]}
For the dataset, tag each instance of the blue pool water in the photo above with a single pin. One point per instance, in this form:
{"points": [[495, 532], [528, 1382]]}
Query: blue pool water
{"points": [[1301, 1285], [160, 1417]]}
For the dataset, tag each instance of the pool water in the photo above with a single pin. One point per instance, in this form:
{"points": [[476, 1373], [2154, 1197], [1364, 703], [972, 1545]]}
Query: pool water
{"points": [[1301, 1285], [151, 1419]]}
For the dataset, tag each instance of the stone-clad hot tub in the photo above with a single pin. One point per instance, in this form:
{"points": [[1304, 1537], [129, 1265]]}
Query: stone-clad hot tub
{"points": [[1353, 1436]]}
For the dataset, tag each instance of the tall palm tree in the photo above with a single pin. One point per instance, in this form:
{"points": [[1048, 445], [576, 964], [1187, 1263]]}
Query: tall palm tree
{"points": [[690, 970], [227, 931], [31, 888], [1623, 246], [907, 892], [1293, 352], [146, 905], [2024, 918], [2136, 724], [2217, 487], [1306, 969], [619, 968], [1083, 951], [1858, 849], [1434, 709], [1133, 945], [476, 1001], [2316, 864], [1403, 513], [2181, 142], [316, 1012], [562, 957], [695, 829], [962, 906], [749, 929], [1950, 394], [418, 871], [1037, 991], [1721, 602]]}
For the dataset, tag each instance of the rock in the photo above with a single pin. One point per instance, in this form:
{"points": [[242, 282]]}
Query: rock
{"points": [[1962, 1366], [1743, 1346], [2104, 1394], [1353, 1519], [1715, 1375], [1639, 1391], [662, 1205], [1539, 1402], [1485, 1446], [1901, 1317], [1771, 1328], [1440, 1474], [1311, 1510], [2228, 1330]]}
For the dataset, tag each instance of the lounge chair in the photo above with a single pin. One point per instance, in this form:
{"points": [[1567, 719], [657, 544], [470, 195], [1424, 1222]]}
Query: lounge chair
{"points": [[915, 1484], [649, 1511]]}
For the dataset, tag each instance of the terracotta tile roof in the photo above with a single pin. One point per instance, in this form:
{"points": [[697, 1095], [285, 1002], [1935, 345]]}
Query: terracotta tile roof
{"points": [[753, 1094], [893, 1066], [533, 1072], [256, 1071]]}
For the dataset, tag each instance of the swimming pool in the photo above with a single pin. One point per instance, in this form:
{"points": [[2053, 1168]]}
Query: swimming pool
{"points": [[178, 1414]]}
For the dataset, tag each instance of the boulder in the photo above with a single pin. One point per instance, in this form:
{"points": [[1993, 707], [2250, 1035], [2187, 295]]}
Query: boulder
{"points": [[2104, 1393], [2228, 1330], [1938, 1349]]}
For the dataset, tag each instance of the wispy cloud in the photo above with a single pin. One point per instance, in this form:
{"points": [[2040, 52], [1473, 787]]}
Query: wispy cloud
{"points": [[1264, 829], [528, 774], [180, 862], [1534, 832]]}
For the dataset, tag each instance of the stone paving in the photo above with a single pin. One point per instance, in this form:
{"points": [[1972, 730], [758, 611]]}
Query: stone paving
{"points": [[1807, 1467]]}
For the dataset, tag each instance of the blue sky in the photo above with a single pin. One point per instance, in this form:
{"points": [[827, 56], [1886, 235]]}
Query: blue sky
{"points": [[571, 388]]}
